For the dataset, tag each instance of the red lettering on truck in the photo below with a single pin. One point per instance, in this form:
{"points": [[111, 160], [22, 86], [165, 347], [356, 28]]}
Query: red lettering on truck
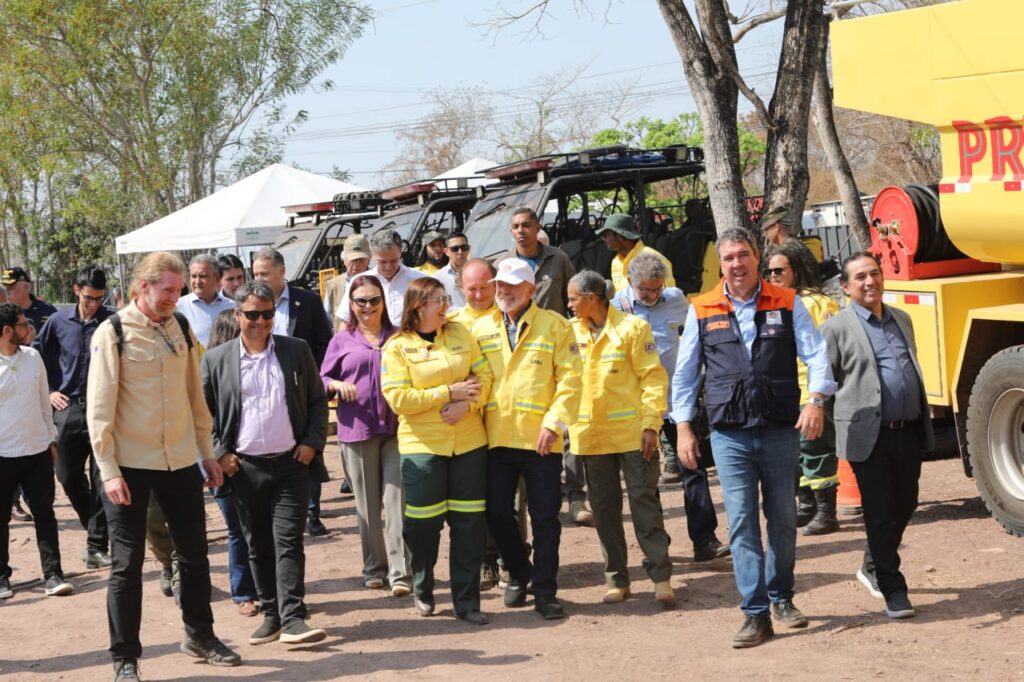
{"points": [[972, 146], [1007, 141]]}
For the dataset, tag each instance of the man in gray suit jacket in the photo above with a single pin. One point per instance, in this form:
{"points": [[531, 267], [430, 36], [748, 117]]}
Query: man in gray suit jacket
{"points": [[882, 420], [269, 420]]}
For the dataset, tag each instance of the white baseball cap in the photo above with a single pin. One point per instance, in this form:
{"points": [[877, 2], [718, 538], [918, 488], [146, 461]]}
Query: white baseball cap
{"points": [[514, 271]]}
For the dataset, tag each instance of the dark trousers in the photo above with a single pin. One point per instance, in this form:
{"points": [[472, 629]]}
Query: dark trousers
{"points": [[243, 587], [180, 495], [572, 489], [74, 455], [543, 499], [314, 493], [701, 520], [888, 482], [437, 489], [271, 494], [34, 473]]}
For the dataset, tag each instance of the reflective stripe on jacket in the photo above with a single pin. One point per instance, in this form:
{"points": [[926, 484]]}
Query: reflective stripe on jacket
{"points": [[535, 385], [742, 391], [624, 386], [415, 377]]}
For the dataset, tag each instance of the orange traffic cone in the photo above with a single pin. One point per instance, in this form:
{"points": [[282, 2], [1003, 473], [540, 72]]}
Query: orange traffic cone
{"points": [[848, 496]]}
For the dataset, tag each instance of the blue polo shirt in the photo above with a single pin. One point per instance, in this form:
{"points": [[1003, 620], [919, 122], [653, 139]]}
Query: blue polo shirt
{"points": [[666, 317], [63, 342]]}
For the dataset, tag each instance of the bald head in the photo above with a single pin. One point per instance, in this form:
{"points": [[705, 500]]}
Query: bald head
{"points": [[475, 282]]}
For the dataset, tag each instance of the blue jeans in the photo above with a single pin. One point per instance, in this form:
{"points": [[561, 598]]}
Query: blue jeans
{"points": [[243, 588], [768, 456]]}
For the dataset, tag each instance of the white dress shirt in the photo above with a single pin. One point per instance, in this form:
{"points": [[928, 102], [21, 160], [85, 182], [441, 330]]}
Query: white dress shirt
{"points": [[26, 417]]}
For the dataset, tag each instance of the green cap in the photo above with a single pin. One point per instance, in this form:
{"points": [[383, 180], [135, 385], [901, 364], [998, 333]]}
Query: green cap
{"points": [[621, 224]]}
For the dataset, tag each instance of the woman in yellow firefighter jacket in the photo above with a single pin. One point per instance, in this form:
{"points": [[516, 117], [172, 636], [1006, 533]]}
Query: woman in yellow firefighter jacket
{"points": [[623, 400], [819, 466], [435, 379]]}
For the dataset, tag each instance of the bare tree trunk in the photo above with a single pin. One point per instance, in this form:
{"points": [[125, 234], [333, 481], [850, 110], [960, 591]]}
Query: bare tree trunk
{"points": [[825, 124], [716, 102], [786, 175]]}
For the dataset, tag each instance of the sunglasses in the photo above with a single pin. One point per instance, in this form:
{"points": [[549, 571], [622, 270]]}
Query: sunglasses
{"points": [[253, 315], [367, 302], [777, 272], [459, 248]]}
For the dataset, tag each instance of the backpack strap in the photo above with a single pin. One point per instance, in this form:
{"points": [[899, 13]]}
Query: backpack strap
{"points": [[115, 322]]}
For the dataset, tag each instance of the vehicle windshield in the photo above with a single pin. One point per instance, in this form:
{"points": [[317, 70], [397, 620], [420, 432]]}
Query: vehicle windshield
{"points": [[402, 220], [294, 246], [488, 227]]}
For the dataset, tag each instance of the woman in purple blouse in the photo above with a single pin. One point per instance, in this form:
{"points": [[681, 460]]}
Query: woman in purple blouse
{"points": [[366, 433]]}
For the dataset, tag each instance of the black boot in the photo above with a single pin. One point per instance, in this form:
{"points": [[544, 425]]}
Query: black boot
{"points": [[805, 506], [824, 520]]}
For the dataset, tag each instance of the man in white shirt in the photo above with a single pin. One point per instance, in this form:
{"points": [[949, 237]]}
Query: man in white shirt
{"points": [[27, 448], [394, 275], [206, 302], [457, 249]]}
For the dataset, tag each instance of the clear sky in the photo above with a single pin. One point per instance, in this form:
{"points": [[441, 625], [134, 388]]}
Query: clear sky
{"points": [[414, 47]]}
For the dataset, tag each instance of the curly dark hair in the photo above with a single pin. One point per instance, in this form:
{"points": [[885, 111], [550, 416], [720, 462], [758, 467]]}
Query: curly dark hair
{"points": [[805, 276]]}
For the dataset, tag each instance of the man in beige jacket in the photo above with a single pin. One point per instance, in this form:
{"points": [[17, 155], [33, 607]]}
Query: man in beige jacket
{"points": [[147, 419]]}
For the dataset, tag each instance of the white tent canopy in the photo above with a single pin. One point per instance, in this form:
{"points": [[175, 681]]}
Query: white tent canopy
{"points": [[248, 213], [472, 169]]}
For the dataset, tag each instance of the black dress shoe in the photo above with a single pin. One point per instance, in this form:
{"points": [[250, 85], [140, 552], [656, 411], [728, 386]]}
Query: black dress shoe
{"points": [[755, 630], [474, 617], [315, 526], [789, 615], [96, 558], [711, 551], [515, 595], [548, 608], [212, 650]]}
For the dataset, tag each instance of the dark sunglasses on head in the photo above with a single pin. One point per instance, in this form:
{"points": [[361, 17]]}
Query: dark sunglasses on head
{"points": [[365, 302], [458, 248], [253, 315], [776, 271]]}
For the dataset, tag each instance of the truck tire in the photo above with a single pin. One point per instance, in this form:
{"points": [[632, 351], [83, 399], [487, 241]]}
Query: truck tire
{"points": [[995, 437]]}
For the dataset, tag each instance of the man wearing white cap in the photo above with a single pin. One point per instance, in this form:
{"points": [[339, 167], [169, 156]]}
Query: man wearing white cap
{"points": [[534, 399], [356, 256]]}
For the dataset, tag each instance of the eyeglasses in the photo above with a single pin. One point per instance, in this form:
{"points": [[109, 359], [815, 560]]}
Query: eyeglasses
{"points": [[459, 248], [649, 292], [776, 272], [253, 315], [442, 300], [367, 302]]}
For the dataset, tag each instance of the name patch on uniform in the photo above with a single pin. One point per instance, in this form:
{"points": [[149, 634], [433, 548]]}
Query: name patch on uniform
{"points": [[536, 362], [458, 349], [718, 324], [488, 337]]}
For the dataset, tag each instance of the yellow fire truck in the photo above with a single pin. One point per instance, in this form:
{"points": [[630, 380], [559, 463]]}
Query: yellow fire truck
{"points": [[951, 252]]}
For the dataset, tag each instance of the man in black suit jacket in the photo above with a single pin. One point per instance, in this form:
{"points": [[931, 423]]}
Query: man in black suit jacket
{"points": [[269, 421], [882, 420], [301, 314]]}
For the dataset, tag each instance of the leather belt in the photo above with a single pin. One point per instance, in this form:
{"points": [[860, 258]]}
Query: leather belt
{"points": [[267, 457], [899, 424], [77, 401]]}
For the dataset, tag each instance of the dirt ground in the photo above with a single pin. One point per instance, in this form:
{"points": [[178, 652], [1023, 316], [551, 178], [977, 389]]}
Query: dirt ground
{"points": [[963, 572]]}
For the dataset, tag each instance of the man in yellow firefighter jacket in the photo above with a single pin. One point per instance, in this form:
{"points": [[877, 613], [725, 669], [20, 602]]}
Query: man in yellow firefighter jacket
{"points": [[534, 398]]}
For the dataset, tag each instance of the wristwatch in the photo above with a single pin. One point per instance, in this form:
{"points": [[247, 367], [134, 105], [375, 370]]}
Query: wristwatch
{"points": [[816, 402]]}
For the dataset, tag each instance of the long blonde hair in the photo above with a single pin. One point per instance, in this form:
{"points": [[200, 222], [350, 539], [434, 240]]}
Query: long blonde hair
{"points": [[152, 266]]}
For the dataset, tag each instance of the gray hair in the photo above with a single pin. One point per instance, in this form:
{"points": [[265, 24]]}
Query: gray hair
{"points": [[526, 209], [384, 239], [647, 266], [736, 235], [254, 287], [590, 282], [207, 259], [272, 255]]}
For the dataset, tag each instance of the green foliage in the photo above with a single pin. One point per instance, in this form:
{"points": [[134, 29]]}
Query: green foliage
{"points": [[115, 113]]}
